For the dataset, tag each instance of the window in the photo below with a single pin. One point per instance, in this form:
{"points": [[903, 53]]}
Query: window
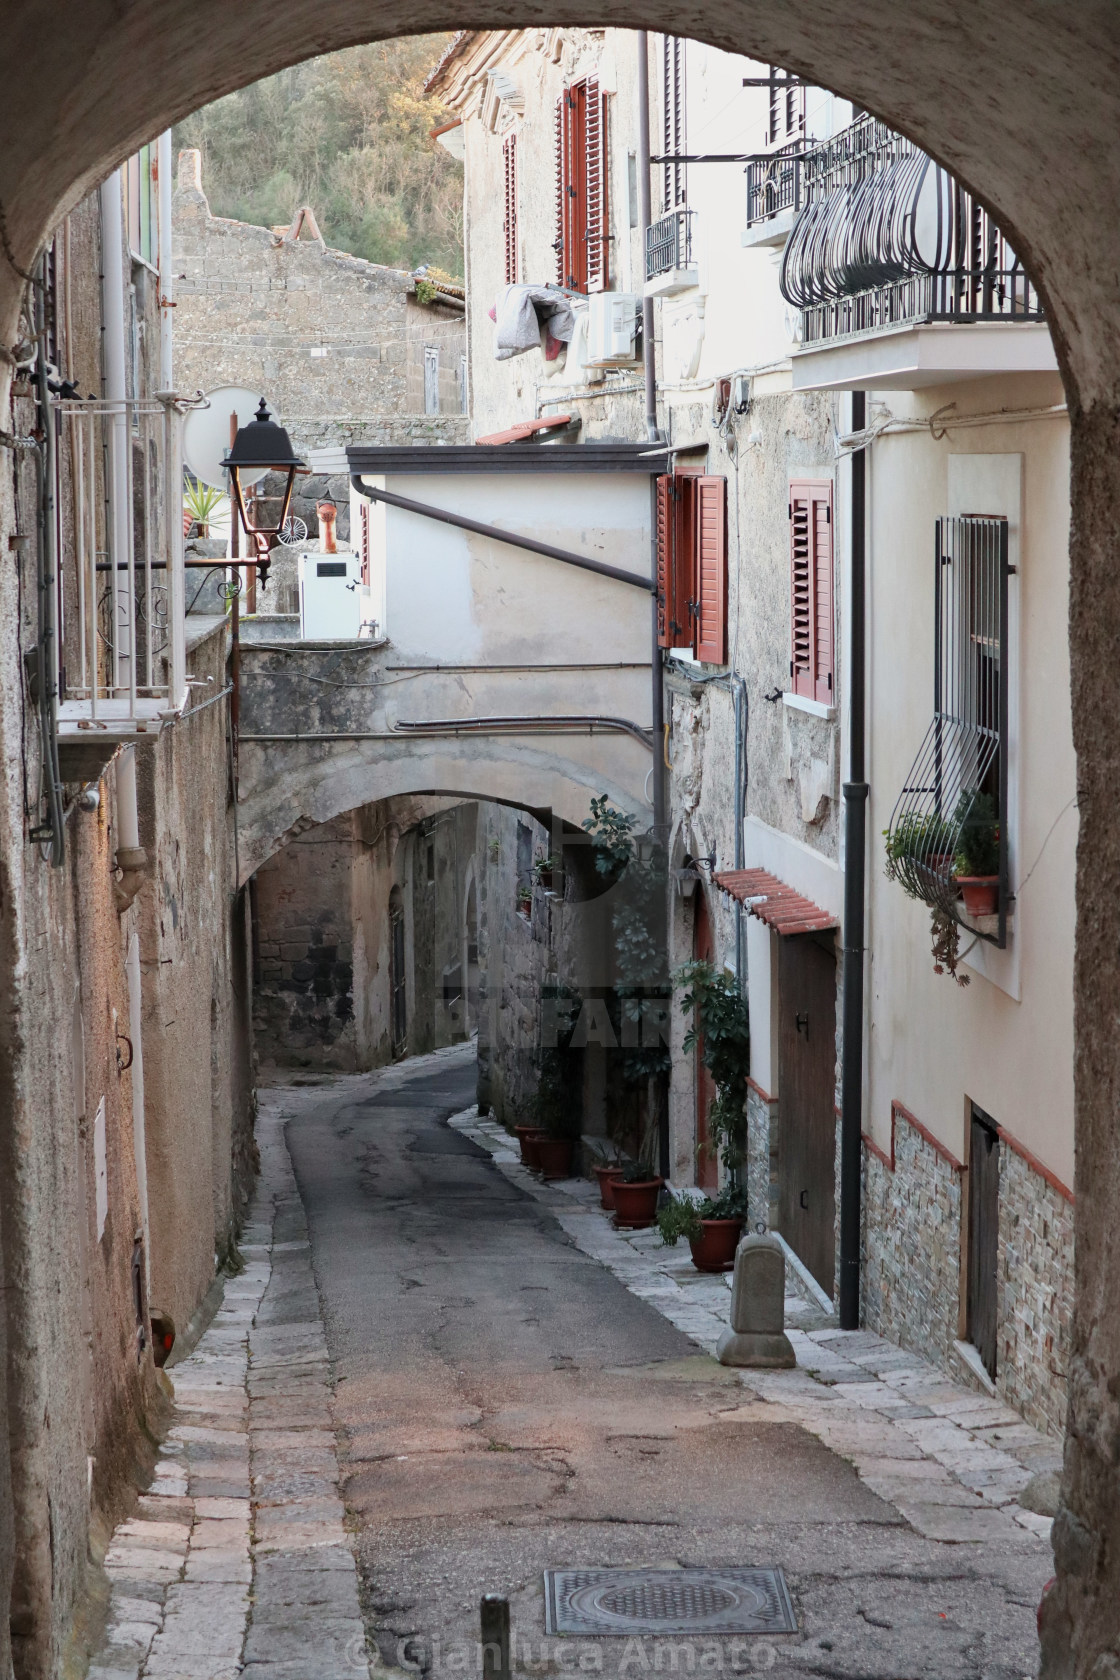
{"points": [[582, 241], [364, 549], [141, 205], [692, 565], [786, 116], [463, 400], [674, 184], [431, 379], [509, 211], [812, 663]]}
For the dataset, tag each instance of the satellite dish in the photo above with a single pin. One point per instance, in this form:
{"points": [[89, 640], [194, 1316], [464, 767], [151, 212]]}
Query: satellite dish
{"points": [[206, 438]]}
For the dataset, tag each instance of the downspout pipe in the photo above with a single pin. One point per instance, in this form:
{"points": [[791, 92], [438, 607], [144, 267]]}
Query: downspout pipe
{"points": [[645, 214], [114, 373], [855, 793], [166, 273]]}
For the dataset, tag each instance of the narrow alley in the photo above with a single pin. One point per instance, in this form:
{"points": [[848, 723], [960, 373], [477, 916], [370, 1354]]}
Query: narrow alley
{"points": [[492, 1400]]}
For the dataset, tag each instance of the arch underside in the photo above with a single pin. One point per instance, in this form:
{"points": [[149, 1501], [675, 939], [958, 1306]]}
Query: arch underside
{"points": [[296, 784]]}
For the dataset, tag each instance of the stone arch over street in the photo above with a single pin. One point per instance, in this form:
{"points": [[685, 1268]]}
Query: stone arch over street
{"points": [[1017, 108]]}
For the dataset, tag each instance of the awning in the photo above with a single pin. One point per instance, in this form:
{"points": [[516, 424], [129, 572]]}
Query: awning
{"points": [[779, 906], [526, 429]]}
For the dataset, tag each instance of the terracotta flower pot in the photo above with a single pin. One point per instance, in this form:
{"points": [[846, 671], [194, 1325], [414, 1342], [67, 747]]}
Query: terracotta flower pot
{"points": [[715, 1250], [980, 894], [606, 1175], [521, 1133], [529, 1153], [555, 1157], [636, 1204]]}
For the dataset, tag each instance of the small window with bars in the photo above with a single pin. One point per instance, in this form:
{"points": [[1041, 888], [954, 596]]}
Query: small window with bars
{"points": [[948, 830]]}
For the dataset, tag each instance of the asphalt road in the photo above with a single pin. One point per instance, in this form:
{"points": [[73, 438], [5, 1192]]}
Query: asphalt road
{"points": [[506, 1405]]}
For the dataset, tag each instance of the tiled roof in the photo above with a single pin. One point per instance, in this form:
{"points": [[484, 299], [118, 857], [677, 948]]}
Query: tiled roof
{"points": [[779, 906], [526, 429]]}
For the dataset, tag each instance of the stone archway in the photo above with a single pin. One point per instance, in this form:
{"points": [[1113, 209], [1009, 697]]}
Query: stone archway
{"points": [[1023, 107]]}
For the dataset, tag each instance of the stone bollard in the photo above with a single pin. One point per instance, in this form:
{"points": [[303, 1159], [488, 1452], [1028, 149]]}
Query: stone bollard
{"points": [[758, 1307]]}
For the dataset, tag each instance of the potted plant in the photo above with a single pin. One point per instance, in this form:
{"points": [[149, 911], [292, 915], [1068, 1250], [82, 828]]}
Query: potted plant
{"points": [[636, 1190], [545, 867], [721, 1029], [976, 863], [919, 851], [200, 502], [712, 1227], [525, 902], [606, 1172]]}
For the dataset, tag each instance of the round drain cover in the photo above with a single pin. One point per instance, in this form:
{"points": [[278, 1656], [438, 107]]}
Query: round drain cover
{"points": [[662, 1601]]}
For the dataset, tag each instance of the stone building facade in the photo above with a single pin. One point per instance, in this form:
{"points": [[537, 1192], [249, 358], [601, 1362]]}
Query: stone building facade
{"points": [[337, 344]]}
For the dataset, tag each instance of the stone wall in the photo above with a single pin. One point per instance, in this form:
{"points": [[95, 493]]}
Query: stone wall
{"points": [[1035, 1291], [334, 342]]}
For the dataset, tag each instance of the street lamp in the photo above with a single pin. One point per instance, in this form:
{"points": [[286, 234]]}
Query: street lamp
{"points": [[262, 446]]}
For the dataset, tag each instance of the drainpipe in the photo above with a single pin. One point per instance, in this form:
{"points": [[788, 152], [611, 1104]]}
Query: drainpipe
{"points": [[166, 275], [855, 866], [644, 218], [739, 703], [115, 382], [132, 859]]}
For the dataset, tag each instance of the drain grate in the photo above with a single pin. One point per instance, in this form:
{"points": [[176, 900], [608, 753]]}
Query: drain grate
{"points": [[606, 1602]]}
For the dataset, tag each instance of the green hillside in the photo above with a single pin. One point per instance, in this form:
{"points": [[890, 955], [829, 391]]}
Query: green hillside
{"points": [[348, 134]]}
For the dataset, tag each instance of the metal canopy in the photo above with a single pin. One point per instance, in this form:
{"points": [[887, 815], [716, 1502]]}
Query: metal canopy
{"points": [[508, 458]]}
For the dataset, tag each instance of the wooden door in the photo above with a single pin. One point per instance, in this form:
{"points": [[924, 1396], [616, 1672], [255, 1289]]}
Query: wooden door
{"points": [[983, 1237], [703, 949], [807, 1101]]}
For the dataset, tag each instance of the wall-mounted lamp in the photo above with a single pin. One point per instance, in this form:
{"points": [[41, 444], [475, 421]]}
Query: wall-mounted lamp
{"points": [[262, 446]]}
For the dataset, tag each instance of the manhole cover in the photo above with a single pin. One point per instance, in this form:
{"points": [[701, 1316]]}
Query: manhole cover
{"points": [[628, 1601]]}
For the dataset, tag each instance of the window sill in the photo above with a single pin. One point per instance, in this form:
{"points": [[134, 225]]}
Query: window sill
{"points": [[672, 283], [815, 708], [772, 233]]}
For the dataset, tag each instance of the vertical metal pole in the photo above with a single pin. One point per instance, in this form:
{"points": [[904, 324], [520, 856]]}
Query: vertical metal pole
{"points": [[644, 217], [494, 1619], [235, 606], [855, 863]]}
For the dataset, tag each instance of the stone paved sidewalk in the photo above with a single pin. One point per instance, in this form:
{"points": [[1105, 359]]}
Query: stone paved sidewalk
{"points": [[951, 1460], [237, 1561]]}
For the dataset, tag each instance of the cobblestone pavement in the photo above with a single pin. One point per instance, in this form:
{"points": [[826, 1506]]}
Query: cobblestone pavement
{"points": [[951, 1460], [239, 1558]]}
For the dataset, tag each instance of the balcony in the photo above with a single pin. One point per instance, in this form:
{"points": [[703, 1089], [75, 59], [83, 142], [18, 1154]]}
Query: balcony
{"points": [[774, 195], [669, 265], [887, 246]]}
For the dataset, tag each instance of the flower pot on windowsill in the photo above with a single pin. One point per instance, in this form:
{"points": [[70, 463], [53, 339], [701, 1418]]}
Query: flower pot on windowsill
{"points": [[555, 1156], [714, 1251], [607, 1174], [521, 1133], [529, 1145], [636, 1204], [980, 894]]}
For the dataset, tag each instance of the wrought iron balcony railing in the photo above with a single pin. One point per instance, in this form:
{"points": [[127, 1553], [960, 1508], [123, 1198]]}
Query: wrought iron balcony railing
{"points": [[884, 235], [774, 184], [669, 243]]}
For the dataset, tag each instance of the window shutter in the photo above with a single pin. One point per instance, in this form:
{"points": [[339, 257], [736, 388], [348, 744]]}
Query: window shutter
{"points": [[365, 541], [595, 175], [560, 245], [812, 644], [675, 563], [509, 220], [673, 110], [710, 524]]}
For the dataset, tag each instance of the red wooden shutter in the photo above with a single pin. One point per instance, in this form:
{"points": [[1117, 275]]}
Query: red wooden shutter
{"points": [[675, 565], [365, 541], [710, 526], [596, 178], [509, 218], [812, 644]]}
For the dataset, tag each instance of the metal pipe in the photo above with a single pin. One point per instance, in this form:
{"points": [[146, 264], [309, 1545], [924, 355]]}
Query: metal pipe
{"points": [[474, 726], [115, 379], [48, 653], [444, 517], [166, 271], [645, 217], [855, 867]]}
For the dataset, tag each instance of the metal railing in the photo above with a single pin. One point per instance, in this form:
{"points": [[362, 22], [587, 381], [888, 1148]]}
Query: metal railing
{"points": [[669, 243], [884, 235], [961, 767], [122, 642], [774, 184]]}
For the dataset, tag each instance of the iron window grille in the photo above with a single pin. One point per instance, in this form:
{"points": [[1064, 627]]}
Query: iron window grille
{"points": [[669, 243], [774, 183], [884, 235], [964, 754]]}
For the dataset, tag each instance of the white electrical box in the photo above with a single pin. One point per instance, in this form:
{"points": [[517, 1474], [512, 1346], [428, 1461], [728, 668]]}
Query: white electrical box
{"points": [[331, 597], [612, 329]]}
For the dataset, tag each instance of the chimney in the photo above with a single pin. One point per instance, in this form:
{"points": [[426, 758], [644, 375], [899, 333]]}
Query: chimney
{"points": [[190, 170]]}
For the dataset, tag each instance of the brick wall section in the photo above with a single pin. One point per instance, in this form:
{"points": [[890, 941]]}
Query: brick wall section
{"points": [[1035, 1292], [912, 1245]]}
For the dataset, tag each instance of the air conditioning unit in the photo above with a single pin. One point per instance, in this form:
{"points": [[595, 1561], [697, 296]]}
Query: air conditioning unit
{"points": [[331, 597], [612, 329]]}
